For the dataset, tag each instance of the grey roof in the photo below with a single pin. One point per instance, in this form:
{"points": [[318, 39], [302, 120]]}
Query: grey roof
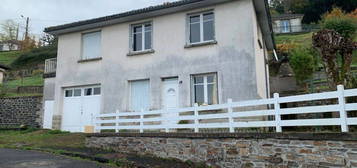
{"points": [[287, 16], [129, 13]]}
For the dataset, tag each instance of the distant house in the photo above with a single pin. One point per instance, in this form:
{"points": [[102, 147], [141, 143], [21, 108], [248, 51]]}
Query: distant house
{"points": [[287, 23], [10, 45], [3, 68]]}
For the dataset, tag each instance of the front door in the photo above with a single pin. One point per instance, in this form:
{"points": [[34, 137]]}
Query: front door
{"points": [[170, 96]]}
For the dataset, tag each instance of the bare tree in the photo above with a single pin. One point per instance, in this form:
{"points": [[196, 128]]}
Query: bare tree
{"points": [[9, 32]]}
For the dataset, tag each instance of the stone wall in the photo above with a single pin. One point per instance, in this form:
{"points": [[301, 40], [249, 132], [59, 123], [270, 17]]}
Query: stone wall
{"points": [[21, 111], [239, 150]]}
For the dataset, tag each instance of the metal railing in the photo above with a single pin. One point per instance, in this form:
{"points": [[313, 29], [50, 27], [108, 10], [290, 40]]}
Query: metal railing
{"points": [[229, 119], [50, 65]]}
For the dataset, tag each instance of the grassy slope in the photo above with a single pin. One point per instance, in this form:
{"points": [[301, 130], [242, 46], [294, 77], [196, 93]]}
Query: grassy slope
{"points": [[305, 40], [40, 139], [36, 80], [7, 58]]}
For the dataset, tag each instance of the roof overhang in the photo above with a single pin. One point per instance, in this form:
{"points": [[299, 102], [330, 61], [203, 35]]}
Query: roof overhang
{"points": [[261, 8], [264, 19], [3, 68]]}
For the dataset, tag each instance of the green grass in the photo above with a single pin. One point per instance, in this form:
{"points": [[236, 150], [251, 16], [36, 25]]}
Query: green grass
{"points": [[304, 40], [40, 139], [7, 58], [36, 80]]}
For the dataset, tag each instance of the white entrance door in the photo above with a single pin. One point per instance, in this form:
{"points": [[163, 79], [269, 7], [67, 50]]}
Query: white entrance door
{"points": [[170, 96], [80, 105]]}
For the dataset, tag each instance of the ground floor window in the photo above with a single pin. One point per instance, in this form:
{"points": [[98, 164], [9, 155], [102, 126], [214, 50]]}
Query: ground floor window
{"points": [[205, 89], [140, 95]]}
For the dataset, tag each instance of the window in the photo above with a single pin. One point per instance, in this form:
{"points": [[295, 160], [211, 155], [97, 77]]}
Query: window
{"points": [[96, 91], [140, 95], [141, 37], [201, 27], [91, 45], [205, 89], [77, 92], [88, 92], [68, 93]]}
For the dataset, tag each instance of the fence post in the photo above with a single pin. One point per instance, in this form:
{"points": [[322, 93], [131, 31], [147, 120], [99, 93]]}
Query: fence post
{"points": [[196, 118], [230, 113], [141, 121], [117, 122], [277, 112], [165, 121], [342, 110], [96, 130]]}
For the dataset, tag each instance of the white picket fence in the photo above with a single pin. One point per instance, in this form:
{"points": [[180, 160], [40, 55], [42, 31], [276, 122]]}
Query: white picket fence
{"points": [[165, 120]]}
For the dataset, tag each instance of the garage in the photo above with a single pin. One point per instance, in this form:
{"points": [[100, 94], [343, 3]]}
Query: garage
{"points": [[80, 106]]}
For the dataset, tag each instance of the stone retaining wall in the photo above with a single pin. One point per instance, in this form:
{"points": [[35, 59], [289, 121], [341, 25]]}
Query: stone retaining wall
{"points": [[21, 111], [239, 150]]}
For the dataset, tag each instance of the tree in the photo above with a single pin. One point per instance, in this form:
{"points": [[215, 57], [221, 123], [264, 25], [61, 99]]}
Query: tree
{"points": [[316, 8], [339, 21], [9, 30], [331, 45], [302, 62], [48, 39]]}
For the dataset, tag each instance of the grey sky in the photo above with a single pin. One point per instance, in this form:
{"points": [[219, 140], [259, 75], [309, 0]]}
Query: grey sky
{"points": [[44, 13]]}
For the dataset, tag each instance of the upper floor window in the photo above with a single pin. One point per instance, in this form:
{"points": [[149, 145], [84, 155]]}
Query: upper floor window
{"points": [[91, 45], [201, 27], [141, 37]]}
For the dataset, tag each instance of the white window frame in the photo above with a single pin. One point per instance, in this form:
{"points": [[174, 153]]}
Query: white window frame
{"points": [[82, 43], [201, 27], [205, 87], [143, 36]]}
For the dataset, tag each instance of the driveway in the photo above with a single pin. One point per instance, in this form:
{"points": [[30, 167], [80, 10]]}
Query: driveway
{"points": [[11, 158]]}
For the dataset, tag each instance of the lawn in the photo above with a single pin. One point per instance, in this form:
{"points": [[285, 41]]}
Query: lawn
{"points": [[304, 40], [40, 139], [7, 58], [36, 80]]}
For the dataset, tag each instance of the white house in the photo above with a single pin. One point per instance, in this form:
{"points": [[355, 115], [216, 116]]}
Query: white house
{"points": [[287, 23], [10, 45], [3, 68], [162, 57]]}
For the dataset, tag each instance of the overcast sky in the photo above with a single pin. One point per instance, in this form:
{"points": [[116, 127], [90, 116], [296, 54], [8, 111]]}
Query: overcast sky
{"points": [[44, 13]]}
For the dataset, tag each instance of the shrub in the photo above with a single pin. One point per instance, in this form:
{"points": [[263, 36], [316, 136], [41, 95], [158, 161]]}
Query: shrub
{"points": [[337, 20], [35, 56], [57, 132], [302, 62]]}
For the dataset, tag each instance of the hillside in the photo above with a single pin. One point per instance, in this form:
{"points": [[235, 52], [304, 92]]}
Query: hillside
{"points": [[26, 69], [7, 58]]}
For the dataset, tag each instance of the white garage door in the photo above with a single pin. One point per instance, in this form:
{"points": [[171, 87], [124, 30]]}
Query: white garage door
{"points": [[80, 105]]}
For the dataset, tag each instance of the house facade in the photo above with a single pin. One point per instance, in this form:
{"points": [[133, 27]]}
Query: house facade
{"points": [[10, 45], [163, 57], [3, 68], [287, 23]]}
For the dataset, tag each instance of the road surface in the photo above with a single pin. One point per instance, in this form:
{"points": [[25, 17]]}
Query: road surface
{"points": [[11, 158]]}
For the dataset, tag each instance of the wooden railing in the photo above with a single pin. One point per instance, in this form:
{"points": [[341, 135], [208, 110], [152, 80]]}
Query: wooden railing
{"points": [[170, 119]]}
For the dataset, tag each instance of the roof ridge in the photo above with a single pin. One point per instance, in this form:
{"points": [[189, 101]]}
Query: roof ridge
{"points": [[123, 14]]}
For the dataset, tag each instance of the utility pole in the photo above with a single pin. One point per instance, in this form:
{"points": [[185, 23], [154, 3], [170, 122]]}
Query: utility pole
{"points": [[17, 32], [27, 28]]}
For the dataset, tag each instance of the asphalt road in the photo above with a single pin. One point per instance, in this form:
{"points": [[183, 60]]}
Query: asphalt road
{"points": [[11, 158]]}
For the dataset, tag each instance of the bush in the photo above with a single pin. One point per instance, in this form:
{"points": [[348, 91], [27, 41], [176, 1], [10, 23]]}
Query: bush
{"points": [[35, 56], [302, 62], [345, 25], [57, 132]]}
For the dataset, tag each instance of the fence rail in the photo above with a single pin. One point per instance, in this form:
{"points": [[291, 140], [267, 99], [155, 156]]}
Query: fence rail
{"points": [[227, 116], [50, 65]]}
